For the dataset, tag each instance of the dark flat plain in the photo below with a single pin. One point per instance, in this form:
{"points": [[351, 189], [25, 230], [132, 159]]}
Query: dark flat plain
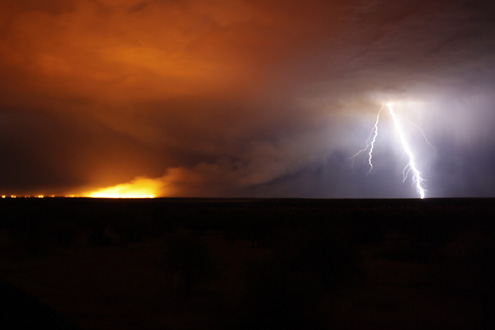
{"points": [[75, 263]]}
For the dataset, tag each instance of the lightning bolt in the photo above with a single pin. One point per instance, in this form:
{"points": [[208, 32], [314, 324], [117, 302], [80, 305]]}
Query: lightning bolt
{"points": [[370, 143], [411, 166]]}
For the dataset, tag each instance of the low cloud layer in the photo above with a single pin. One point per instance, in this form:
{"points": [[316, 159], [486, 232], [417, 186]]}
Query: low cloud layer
{"points": [[244, 98]]}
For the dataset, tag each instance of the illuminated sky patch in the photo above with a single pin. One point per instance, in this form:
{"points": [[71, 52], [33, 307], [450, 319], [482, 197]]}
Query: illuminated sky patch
{"points": [[242, 98]]}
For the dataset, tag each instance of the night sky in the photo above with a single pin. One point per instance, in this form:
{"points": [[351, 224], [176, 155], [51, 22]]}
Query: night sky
{"points": [[238, 98]]}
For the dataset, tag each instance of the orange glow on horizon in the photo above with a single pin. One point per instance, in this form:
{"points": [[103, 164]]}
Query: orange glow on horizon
{"points": [[138, 188]]}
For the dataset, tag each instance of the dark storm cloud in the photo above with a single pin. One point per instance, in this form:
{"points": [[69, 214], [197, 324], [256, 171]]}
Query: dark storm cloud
{"points": [[236, 98]]}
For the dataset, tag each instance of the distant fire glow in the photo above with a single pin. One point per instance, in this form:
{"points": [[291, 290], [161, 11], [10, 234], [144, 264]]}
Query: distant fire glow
{"points": [[138, 188], [411, 166]]}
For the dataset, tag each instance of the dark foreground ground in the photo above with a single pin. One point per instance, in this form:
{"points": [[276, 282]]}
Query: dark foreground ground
{"points": [[247, 264]]}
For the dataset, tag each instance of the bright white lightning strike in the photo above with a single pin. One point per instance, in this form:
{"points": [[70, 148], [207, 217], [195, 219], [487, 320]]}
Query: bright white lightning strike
{"points": [[417, 179], [411, 166], [370, 143]]}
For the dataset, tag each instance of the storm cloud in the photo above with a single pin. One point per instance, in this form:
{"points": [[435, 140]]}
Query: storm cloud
{"points": [[244, 98]]}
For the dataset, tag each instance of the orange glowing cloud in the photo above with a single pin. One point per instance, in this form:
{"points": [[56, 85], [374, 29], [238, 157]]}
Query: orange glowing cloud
{"points": [[132, 49], [137, 50]]}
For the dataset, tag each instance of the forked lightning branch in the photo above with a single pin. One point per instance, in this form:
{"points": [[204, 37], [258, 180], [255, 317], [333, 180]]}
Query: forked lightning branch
{"points": [[411, 167]]}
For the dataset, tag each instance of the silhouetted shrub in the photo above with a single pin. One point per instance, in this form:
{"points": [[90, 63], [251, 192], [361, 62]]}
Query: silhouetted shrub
{"points": [[62, 234], [325, 251], [187, 262], [276, 297]]}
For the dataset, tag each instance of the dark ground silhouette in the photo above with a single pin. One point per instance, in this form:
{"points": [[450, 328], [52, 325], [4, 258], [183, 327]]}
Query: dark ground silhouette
{"points": [[247, 264]]}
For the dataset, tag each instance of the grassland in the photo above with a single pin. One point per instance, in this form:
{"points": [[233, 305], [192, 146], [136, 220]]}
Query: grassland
{"points": [[248, 263]]}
